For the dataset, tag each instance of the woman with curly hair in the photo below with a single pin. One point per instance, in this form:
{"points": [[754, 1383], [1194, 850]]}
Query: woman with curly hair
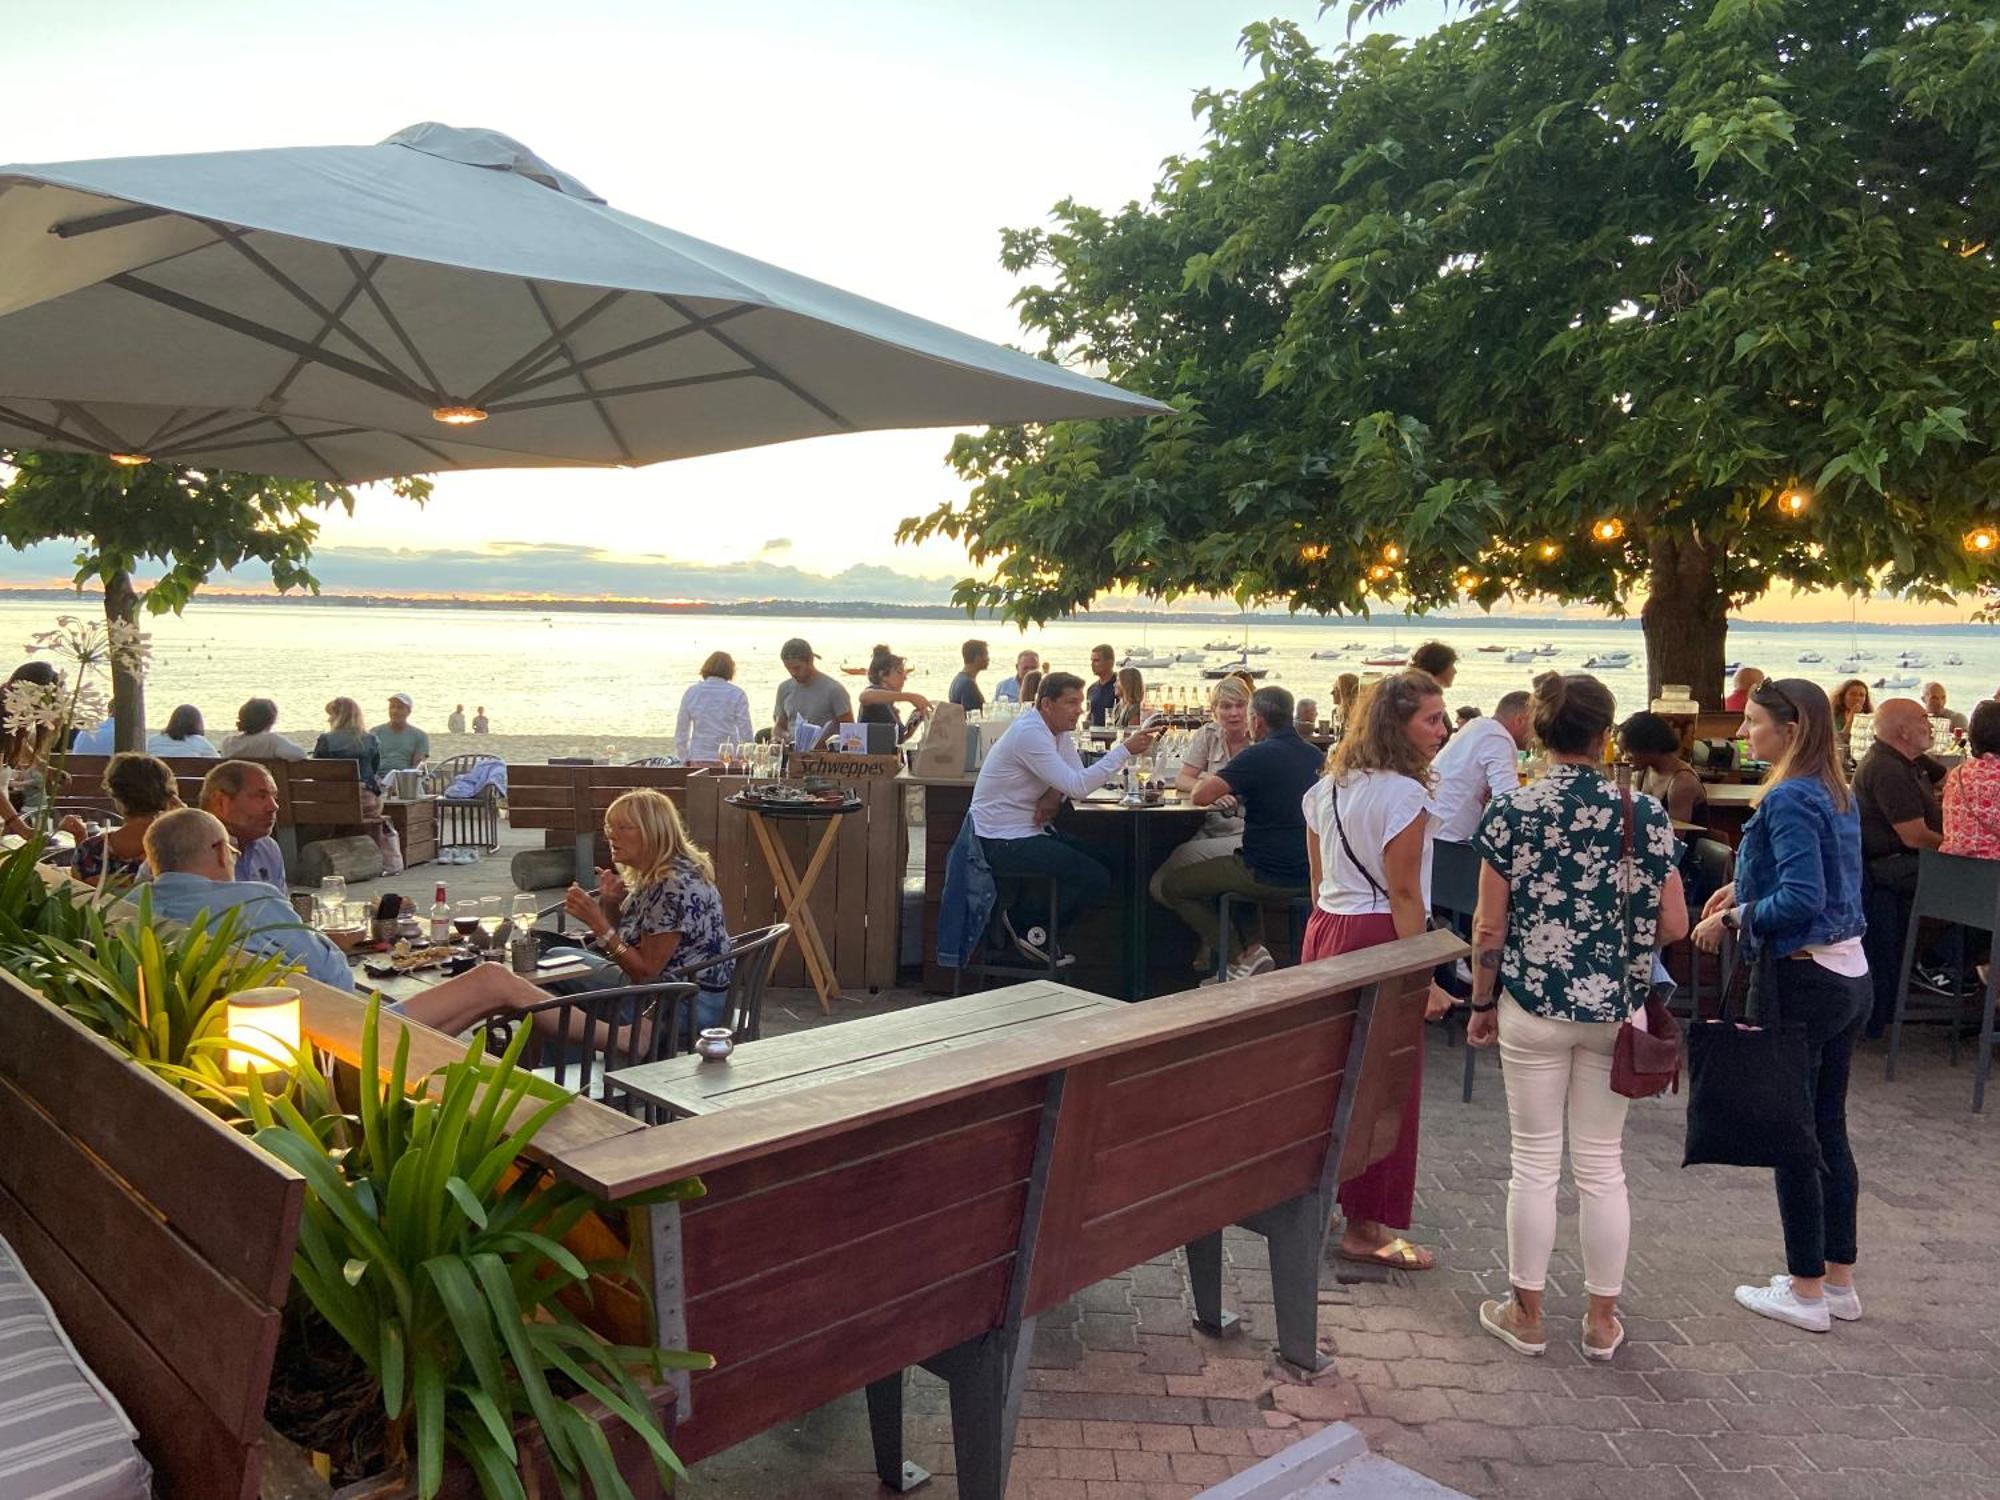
{"points": [[141, 787], [1368, 842]]}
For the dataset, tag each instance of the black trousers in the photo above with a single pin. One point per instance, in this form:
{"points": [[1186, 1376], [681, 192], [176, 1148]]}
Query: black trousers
{"points": [[1817, 1205], [1084, 878]]}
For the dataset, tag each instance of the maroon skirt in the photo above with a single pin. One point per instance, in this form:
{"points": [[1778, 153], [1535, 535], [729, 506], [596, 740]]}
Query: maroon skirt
{"points": [[1387, 1191]]}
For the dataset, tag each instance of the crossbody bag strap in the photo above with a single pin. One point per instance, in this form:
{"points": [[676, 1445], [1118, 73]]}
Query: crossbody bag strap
{"points": [[1333, 798]]}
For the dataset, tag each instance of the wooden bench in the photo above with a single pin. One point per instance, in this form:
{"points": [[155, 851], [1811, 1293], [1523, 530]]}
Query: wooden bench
{"points": [[567, 802], [925, 1213], [316, 798]]}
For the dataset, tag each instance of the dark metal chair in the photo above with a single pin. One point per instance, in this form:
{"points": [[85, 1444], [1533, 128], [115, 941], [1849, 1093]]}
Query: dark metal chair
{"points": [[598, 1032], [1950, 888], [466, 822], [753, 953], [1455, 896], [982, 963]]}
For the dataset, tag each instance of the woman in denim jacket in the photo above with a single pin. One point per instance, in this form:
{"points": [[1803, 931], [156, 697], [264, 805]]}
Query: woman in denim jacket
{"points": [[1796, 902]]}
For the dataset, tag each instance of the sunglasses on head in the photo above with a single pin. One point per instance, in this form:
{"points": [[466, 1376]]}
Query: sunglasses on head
{"points": [[1769, 695]]}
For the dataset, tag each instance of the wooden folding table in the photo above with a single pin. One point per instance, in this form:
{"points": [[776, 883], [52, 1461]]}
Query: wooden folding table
{"points": [[795, 887]]}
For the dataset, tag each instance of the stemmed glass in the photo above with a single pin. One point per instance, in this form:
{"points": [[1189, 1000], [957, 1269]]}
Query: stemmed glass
{"points": [[726, 752], [526, 910], [332, 898], [465, 917], [492, 912]]}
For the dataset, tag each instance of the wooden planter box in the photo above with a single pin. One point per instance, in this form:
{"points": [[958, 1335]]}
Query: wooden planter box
{"points": [[163, 1239]]}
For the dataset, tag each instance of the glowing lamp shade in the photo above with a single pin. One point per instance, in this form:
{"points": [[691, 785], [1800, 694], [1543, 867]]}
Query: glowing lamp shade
{"points": [[1608, 530], [1795, 501], [1982, 541], [263, 1028], [458, 416], [128, 460]]}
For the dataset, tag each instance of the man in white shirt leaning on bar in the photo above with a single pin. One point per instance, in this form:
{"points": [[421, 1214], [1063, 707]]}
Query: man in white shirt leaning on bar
{"points": [[1481, 761], [1026, 777]]}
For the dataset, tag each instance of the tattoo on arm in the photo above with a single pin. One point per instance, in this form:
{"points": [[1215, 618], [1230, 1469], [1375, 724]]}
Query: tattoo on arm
{"points": [[1489, 958]]}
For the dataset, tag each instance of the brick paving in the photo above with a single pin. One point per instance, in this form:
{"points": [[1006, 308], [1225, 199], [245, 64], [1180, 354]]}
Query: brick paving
{"points": [[1705, 1402]]}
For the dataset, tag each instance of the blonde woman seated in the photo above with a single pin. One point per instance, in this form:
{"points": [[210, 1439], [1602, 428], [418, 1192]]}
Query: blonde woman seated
{"points": [[656, 911], [1209, 749]]}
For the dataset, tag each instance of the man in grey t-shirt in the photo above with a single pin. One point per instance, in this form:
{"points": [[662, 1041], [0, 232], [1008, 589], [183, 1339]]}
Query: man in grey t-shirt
{"points": [[404, 746], [807, 694], [965, 686]]}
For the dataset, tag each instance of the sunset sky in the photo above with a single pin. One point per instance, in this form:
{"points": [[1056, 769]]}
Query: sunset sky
{"points": [[880, 145]]}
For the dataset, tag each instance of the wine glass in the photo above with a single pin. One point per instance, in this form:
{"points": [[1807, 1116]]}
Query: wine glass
{"points": [[492, 912], [332, 897], [465, 917], [526, 910], [726, 753]]}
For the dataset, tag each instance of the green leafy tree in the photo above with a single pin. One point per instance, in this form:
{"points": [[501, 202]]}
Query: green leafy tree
{"points": [[188, 522], [1563, 300]]}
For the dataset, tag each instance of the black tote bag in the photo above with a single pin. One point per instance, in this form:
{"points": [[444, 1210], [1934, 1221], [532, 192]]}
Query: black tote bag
{"points": [[1749, 1097]]}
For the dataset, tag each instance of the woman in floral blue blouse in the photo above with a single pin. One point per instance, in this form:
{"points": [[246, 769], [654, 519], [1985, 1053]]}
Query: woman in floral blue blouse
{"points": [[1564, 940]]}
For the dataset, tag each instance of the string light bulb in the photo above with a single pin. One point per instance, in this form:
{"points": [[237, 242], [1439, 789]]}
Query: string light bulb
{"points": [[1982, 541], [1548, 551], [1313, 552], [1467, 579], [1381, 573], [1607, 530], [1795, 501], [128, 460], [458, 416], [1392, 554]]}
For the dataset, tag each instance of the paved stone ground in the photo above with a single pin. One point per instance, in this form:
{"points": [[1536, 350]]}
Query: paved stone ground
{"points": [[1705, 1401]]}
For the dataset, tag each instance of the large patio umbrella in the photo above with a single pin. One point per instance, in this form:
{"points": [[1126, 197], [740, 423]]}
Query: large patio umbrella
{"points": [[444, 300]]}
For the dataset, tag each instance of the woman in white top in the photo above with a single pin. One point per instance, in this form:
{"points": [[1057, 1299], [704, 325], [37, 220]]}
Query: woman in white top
{"points": [[1209, 749], [713, 710], [1368, 840], [185, 734]]}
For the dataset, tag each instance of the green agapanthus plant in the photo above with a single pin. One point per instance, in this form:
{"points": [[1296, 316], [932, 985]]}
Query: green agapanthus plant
{"points": [[439, 1258]]}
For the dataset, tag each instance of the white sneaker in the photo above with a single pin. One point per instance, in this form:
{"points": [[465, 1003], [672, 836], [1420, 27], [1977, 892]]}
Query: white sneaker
{"points": [[1778, 1302], [1251, 961], [1842, 1302]]}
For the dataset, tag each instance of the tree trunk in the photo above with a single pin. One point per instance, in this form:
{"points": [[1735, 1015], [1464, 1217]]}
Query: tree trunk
{"points": [[1686, 618], [128, 692]]}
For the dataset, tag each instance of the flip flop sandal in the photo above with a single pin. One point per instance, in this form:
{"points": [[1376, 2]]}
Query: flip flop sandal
{"points": [[1397, 1254], [1490, 1319], [1593, 1351]]}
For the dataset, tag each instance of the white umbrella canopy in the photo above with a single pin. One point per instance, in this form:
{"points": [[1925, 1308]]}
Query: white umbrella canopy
{"points": [[443, 300]]}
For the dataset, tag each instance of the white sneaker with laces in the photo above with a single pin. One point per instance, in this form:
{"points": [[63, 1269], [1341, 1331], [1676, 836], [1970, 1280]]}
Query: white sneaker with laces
{"points": [[1842, 1302], [1250, 961], [1779, 1302]]}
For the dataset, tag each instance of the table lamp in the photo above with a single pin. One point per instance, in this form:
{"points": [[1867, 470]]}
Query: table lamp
{"points": [[264, 1027]]}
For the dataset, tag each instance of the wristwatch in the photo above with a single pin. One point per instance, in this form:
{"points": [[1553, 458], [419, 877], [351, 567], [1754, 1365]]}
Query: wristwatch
{"points": [[1733, 919]]}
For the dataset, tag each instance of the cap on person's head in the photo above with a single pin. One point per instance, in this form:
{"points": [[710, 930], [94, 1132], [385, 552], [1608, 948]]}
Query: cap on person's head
{"points": [[403, 698], [797, 649]]}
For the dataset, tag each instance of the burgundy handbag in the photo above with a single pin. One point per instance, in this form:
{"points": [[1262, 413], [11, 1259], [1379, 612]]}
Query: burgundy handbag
{"points": [[1643, 1063]]}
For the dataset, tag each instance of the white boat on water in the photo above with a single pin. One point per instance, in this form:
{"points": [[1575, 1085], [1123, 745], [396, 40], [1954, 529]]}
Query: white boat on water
{"points": [[1193, 658], [1547, 648], [1256, 650], [1953, 659], [1810, 658], [1522, 658], [1895, 683], [1355, 646], [1146, 663], [1232, 668], [1221, 646], [1848, 668], [1913, 659], [1333, 655], [1609, 661]]}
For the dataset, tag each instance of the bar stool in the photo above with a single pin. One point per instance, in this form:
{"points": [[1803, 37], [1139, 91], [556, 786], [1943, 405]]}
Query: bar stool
{"points": [[1298, 911], [994, 939], [1965, 891]]}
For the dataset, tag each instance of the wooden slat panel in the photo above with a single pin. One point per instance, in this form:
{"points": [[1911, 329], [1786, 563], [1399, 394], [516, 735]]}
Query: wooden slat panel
{"points": [[1222, 1078], [849, 875], [201, 1175], [1107, 1246], [202, 1325], [882, 910], [194, 1457], [667, 1153], [1385, 1074], [1124, 1176], [869, 1140], [741, 1401], [730, 1237], [1246, 1031], [908, 1252]]}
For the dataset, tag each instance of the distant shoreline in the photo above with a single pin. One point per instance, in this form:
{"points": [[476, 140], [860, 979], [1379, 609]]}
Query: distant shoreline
{"points": [[861, 608]]}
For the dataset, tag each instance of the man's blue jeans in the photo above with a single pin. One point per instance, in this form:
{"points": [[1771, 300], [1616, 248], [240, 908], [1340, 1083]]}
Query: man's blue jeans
{"points": [[1082, 875]]}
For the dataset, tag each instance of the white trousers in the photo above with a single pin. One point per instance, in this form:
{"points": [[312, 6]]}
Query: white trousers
{"points": [[1552, 1068]]}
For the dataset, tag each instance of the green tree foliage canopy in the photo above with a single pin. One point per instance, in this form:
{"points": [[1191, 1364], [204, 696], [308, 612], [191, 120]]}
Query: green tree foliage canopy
{"points": [[187, 521], [1441, 306]]}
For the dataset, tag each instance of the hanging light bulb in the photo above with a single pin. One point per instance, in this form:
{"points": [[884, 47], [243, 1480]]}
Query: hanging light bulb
{"points": [[128, 460], [1548, 551], [1982, 540], [1607, 530], [1467, 579], [458, 416], [1392, 554], [1795, 501], [1313, 552], [1381, 573]]}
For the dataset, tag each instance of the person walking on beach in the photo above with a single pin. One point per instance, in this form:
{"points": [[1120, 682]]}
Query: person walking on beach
{"points": [[965, 691], [807, 695], [1577, 892], [455, 722], [714, 711], [1369, 852], [404, 747], [1796, 903]]}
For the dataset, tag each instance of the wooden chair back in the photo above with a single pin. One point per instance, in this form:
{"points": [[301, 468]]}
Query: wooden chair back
{"points": [[989, 1183]]}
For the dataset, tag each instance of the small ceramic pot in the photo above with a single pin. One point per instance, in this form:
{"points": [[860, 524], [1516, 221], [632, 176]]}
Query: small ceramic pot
{"points": [[714, 1044]]}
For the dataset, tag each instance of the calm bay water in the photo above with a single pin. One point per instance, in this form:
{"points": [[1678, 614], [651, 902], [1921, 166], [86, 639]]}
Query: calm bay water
{"points": [[605, 674]]}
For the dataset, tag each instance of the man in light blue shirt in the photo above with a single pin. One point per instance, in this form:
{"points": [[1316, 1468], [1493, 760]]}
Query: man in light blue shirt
{"points": [[194, 872], [1009, 690], [241, 795]]}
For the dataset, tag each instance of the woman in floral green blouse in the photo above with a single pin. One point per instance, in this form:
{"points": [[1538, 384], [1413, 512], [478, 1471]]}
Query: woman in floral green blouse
{"points": [[1564, 941]]}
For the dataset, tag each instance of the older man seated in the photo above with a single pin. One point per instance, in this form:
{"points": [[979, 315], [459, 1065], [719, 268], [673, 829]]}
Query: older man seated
{"points": [[241, 795], [194, 880]]}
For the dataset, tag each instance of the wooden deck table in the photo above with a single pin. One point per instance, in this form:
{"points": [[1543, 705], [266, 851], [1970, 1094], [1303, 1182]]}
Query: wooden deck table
{"points": [[778, 1065]]}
